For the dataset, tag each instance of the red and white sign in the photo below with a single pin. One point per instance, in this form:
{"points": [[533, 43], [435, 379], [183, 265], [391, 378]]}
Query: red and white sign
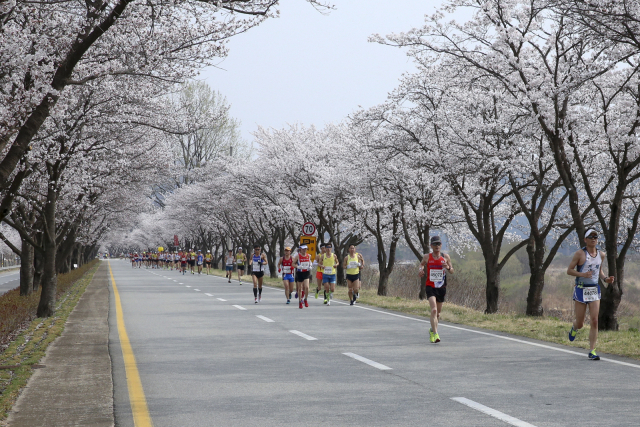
{"points": [[308, 229], [175, 240]]}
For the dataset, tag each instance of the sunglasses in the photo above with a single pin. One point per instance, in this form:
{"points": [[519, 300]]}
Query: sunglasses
{"points": [[436, 244], [592, 237]]}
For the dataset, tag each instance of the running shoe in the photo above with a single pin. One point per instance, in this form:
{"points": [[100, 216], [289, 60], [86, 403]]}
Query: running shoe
{"points": [[306, 304], [593, 355], [330, 295], [436, 337], [329, 302], [260, 298], [300, 304], [326, 300], [288, 301], [229, 280], [572, 334], [296, 295], [432, 336], [317, 290], [351, 303], [256, 300]]}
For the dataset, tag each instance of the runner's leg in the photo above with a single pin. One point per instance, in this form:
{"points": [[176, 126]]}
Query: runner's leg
{"points": [[434, 314], [594, 309]]}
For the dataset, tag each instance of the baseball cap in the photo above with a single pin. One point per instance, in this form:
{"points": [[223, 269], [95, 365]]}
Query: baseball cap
{"points": [[303, 247], [287, 248], [589, 232], [435, 239]]}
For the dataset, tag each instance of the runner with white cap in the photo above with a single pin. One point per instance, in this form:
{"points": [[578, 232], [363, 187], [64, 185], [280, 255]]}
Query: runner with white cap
{"points": [[241, 258], [285, 265], [586, 267], [435, 265], [207, 261], [228, 265], [302, 264]]}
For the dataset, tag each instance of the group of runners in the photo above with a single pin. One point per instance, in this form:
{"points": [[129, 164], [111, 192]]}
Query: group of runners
{"points": [[191, 260], [297, 271]]}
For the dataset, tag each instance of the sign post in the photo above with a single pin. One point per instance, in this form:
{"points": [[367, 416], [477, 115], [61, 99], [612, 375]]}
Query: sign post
{"points": [[308, 238]]}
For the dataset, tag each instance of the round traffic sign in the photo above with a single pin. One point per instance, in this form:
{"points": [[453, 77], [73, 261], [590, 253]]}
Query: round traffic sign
{"points": [[308, 228]]}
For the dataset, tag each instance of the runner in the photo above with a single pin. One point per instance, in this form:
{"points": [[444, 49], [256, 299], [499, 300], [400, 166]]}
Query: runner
{"points": [[229, 265], [207, 261], [192, 260], [329, 262], [352, 263], [199, 261], [319, 270], [285, 264], [240, 262], [302, 263], [436, 283], [184, 259], [134, 259], [258, 261], [586, 266]]}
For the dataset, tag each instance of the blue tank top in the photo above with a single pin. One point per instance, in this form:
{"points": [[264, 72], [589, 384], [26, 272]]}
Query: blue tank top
{"points": [[591, 264], [257, 263], [200, 258]]}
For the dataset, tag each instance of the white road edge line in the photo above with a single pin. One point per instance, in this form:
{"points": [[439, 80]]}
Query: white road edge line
{"points": [[266, 319], [305, 336], [209, 295], [188, 286], [197, 290], [535, 344], [239, 307], [368, 361], [492, 412], [220, 299]]}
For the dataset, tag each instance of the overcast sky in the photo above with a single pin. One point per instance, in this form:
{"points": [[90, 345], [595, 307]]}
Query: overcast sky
{"points": [[310, 68]]}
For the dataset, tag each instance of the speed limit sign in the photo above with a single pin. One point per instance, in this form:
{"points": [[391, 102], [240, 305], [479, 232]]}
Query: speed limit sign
{"points": [[308, 229]]}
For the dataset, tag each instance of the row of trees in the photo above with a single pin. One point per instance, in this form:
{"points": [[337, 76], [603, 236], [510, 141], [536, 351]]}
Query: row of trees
{"points": [[518, 126], [87, 118]]}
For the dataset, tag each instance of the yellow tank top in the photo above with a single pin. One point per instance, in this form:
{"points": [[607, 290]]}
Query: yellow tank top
{"points": [[352, 265], [328, 264], [240, 258]]}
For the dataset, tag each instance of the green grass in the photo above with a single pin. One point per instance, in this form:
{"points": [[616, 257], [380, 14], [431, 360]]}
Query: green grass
{"points": [[30, 345], [550, 329]]}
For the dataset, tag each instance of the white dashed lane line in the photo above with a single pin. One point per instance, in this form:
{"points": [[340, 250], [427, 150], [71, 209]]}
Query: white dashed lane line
{"points": [[266, 319], [303, 335], [209, 295], [368, 361], [239, 307], [492, 412], [220, 299]]}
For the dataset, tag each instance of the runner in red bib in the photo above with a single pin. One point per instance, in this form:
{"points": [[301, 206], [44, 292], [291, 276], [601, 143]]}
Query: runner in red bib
{"points": [[285, 264], [302, 264], [437, 265]]}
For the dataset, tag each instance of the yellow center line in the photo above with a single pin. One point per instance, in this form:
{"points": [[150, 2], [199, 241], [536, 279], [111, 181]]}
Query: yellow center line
{"points": [[141, 417]]}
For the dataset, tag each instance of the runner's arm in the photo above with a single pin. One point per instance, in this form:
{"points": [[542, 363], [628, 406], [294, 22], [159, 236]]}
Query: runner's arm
{"points": [[571, 270], [609, 279], [422, 264], [361, 260], [449, 265]]}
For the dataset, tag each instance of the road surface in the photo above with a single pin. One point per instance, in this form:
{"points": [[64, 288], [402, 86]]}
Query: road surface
{"points": [[208, 356]]}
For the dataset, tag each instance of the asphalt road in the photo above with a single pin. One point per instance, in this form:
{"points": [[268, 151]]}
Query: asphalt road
{"points": [[205, 358], [9, 280]]}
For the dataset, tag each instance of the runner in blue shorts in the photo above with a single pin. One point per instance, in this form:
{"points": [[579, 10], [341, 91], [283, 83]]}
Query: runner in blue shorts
{"points": [[285, 265], [586, 267], [328, 261]]}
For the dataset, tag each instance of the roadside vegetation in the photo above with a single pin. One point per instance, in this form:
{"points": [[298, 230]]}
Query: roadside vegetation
{"points": [[25, 337]]}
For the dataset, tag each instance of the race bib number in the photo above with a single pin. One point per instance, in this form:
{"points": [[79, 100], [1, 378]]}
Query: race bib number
{"points": [[256, 266], [304, 265], [328, 270], [199, 262], [436, 276], [590, 294], [286, 270], [353, 264]]}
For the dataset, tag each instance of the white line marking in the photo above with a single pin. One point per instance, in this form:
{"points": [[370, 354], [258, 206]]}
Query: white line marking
{"points": [[495, 414], [305, 336], [368, 361], [180, 283], [494, 335], [197, 290], [188, 286], [175, 280], [220, 299], [209, 295], [239, 307], [266, 319]]}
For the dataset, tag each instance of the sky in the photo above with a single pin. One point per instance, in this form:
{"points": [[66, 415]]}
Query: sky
{"points": [[311, 68]]}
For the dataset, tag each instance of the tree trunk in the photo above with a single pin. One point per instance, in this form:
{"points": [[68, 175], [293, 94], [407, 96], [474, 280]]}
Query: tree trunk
{"points": [[493, 284], [383, 282], [47, 304], [611, 295], [26, 269], [423, 287], [535, 250]]}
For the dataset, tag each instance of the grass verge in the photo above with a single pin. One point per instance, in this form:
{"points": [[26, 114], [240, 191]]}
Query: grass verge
{"points": [[550, 329], [30, 345]]}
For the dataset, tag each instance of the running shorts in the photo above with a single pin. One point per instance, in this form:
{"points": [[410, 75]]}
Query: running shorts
{"points": [[586, 293], [328, 278], [319, 275], [208, 262], [288, 277], [258, 274], [240, 267], [301, 276], [228, 267], [353, 277], [192, 262], [439, 293]]}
